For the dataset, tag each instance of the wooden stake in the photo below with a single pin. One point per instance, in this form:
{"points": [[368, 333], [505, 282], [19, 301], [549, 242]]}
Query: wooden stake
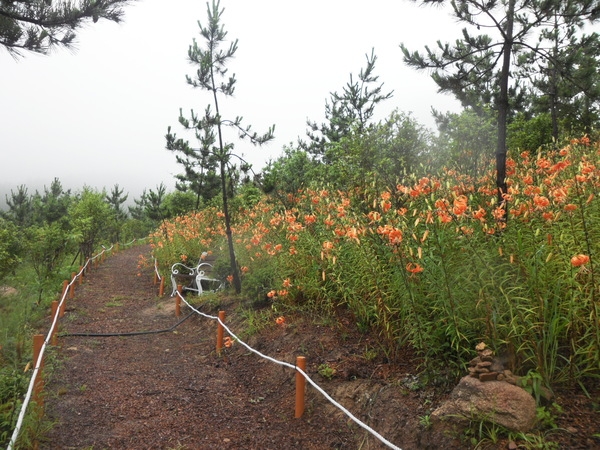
{"points": [[300, 386], [73, 282], [64, 290], [53, 341], [220, 330], [161, 289]]}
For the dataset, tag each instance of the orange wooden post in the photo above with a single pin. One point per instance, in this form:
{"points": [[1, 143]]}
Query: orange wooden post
{"points": [[54, 311], [161, 289], [38, 385], [64, 290], [81, 276], [178, 304], [220, 330], [73, 282], [300, 386], [155, 279]]}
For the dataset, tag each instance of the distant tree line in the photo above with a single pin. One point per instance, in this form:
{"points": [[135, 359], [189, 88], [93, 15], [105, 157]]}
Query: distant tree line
{"points": [[46, 228]]}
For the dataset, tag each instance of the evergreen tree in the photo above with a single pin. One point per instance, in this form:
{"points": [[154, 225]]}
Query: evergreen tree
{"points": [[155, 207], [566, 83], [200, 169], [40, 25], [20, 207], [53, 205], [347, 112], [477, 68], [212, 77], [115, 201]]}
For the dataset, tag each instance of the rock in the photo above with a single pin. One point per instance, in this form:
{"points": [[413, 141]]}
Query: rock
{"points": [[487, 353], [491, 376], [494, 401]]}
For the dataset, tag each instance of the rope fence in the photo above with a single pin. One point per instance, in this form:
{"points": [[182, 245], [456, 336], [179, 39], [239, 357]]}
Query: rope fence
{"points": [[297, 368], [58, 307], [40, 344]]}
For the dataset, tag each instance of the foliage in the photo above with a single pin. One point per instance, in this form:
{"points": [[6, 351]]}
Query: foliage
{"points": [[530, 133], [432, 263], [89, 217], [388, 151], [10, 247], [40, 25], [288, 174], [12, 385], [46, 247], [465, 141]]}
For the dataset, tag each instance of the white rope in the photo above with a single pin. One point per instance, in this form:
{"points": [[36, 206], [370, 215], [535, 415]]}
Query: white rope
{"points": [[135, 239], [291, 366], [156, 269], [40, 358]]}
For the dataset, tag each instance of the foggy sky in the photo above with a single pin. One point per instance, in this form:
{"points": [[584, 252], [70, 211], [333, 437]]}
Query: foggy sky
{"points": [[97, 116]]}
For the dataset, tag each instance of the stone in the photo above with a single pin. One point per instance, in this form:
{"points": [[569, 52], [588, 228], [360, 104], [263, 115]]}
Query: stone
{"points": [[487, 353], [480, 347], [491, 376], [494, 401]]}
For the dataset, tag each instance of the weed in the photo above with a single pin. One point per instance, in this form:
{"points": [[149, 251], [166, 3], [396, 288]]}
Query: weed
{"points": [[114, 304], [370, 354], [546, 415], [425, 421], [326, 371]]}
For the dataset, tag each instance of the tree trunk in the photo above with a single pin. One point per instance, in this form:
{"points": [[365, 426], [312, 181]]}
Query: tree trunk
{"points": [[237, 282], [503, 110]]}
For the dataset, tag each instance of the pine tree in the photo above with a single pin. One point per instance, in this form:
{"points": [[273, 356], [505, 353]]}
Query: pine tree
{"points": [[211, 76], [477, 68], [119, 215], [20, 207], [40, 25], [347, 112]]}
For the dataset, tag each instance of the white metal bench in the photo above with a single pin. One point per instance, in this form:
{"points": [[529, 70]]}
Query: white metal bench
{"points": [[199, 279]]}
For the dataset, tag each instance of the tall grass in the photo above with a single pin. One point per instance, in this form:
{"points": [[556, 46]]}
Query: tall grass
{"points": [[436, 264], [21, 314]]}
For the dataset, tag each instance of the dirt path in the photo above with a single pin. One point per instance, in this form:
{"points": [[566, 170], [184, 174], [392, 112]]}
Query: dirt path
{"points": [[171, 391]]}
